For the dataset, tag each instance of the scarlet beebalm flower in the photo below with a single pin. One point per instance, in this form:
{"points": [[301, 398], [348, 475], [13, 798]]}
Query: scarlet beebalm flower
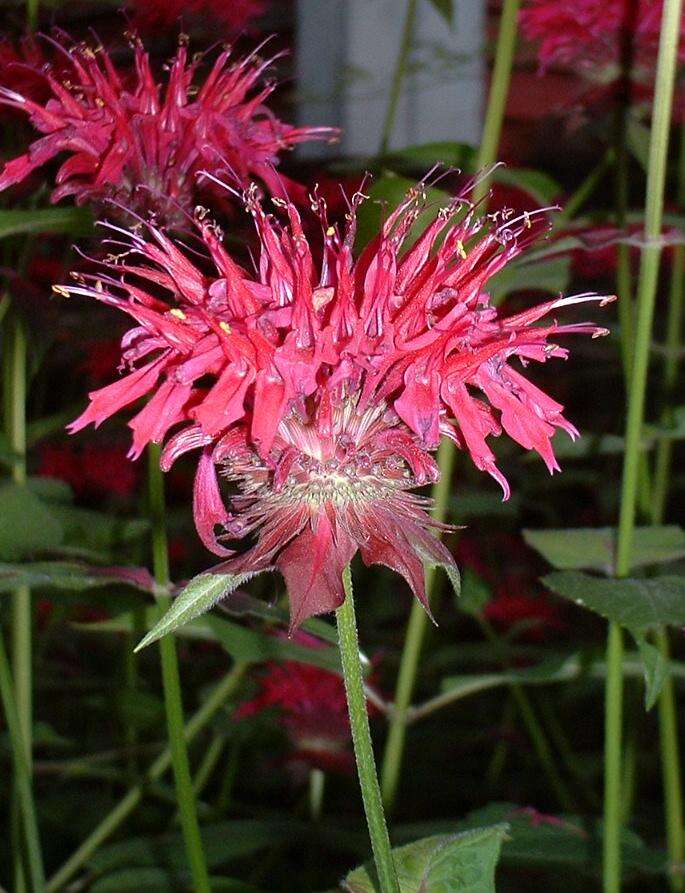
{"points": [[225, 18], [320, 390], [139, 144], [595, 34], [312, 709]]}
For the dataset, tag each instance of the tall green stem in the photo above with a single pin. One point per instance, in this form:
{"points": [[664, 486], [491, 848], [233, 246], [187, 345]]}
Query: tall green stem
{"points": [[398, 75], [668, 722], [172, 685], [31, 14], [361, 739], [646, 295], [416, 628], [128, 803], [499, 90], [22, 773]]}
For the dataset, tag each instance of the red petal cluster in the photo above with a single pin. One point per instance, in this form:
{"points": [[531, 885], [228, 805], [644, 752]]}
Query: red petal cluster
{"points": [[133, 142], [321, 388], [593, 33], [92, 471]]}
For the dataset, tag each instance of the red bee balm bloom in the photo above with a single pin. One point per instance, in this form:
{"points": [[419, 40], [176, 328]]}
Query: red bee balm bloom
{"points": [[320, 391], [139, 146], [592, 34]]}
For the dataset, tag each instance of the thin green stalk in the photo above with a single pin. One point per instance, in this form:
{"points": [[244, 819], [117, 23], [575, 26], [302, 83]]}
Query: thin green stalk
{"points": [[129, 802], [398, 76], [413, 643], [171, 683], [576, 201], [672, 778], [361, 739], [15, 379], [22, 773], [416, 628], [668, 724], [31, 14], [499, 90], [317, 784], [646, 296]]}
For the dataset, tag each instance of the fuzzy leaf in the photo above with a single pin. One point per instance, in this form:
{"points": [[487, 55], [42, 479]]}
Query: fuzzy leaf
{"points": [[539, 185], [465, 862], [75, 221], [71, 576], [551, 275], [198, 597], [655, 670], [593, 548]]}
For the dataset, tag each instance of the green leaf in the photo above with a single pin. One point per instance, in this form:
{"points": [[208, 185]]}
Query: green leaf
{"points": [[198, 597], [71, 576], [550, 275], [539, 185], [637, 139], [52, 424], [75, 221], [656, 670], [132, 880], [446, 10], [637, 605], [593, 548], [444, 863], [253, 646], [475, 593], [27, 525], [423, 157], [384, 196]]}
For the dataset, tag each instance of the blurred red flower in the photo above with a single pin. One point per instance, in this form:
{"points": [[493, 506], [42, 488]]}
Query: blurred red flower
{"points": [[102, 360], [311, 707], [225, 18], [132, 142], [93, 470]]}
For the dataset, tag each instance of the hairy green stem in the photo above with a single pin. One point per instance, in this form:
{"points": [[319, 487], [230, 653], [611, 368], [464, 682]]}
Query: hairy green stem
{"points": [[22, 773], [499, 90], [646, 296], [361, 739], [171, 683], [129, 802], [398, 75]]}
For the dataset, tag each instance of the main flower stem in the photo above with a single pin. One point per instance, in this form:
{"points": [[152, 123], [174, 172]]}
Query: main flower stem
{"points": [[361, 738], [499, 90], [128, 803], [22, 773], [398, 75], [646, 296], [172, 685]]}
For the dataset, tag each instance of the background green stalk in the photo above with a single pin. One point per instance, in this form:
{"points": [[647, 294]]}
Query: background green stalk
{"points": [[129, 801], [15, 377], [416, 628], [361, 739], [22, 774], [398, 76], [646, 296], [668, 716], [171, 682]]}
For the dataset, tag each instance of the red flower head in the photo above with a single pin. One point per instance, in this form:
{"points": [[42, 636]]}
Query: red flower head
{"points": [[320, 391], [312, 709], [141, 146], [592, 34], [225, 19], [93, 471]]}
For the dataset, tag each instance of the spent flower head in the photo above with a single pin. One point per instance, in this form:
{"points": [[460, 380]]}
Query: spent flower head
{"points": [[319, 388], [133, 142]]}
